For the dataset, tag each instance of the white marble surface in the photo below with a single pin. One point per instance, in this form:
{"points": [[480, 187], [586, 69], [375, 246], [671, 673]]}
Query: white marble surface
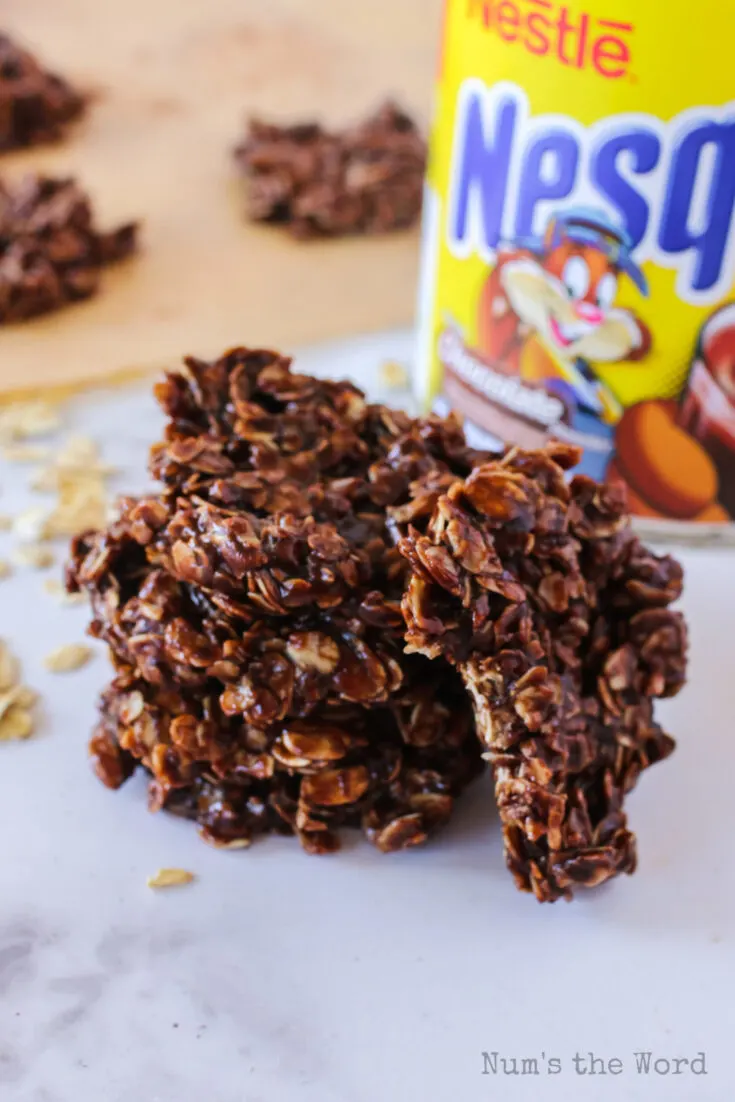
{"points": [[279, 977]]}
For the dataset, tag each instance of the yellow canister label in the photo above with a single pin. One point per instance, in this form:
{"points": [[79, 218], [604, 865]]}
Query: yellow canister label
{"points": [[579, 239]]}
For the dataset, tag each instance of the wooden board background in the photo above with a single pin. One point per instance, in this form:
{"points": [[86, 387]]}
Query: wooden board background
{"points": [[173, 81]]}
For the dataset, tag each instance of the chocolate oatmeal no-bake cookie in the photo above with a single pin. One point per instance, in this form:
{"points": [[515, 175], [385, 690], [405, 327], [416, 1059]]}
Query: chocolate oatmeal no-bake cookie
{"points": [[35, 105], [366, 179], [51, 253], [264, 609], [252, 610]]}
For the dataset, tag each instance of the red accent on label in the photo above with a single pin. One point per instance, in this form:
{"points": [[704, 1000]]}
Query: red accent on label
{"points": [[507, 16], [580, 41], [609, 48]]}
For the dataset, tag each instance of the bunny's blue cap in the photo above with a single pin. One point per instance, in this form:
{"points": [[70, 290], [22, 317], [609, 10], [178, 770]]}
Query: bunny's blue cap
{"points": [[594, 227]]}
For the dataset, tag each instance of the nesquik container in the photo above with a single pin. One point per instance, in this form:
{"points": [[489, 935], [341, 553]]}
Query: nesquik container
{"points": [[578, 276]]}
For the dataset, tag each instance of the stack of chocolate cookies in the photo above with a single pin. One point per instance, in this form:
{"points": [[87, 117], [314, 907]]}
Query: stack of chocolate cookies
{"points": [[333, 613]]}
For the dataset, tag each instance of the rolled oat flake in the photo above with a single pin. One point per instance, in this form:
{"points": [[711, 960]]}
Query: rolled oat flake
{"points": [[578, 275]]}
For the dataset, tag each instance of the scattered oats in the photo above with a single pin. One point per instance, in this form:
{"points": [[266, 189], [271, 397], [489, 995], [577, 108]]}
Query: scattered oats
{"points": [[80, 508], [10, 698], [23, 420], [82, 503], [5, 569], [170, 878], [32, 524], [77, 477], [19, 696], [45, 480], [35, 555], [25, 453], [78, 459], [57, 590], [70, 656], [78, 450], [6, 522], [82, 452], [16, 723], [234, 843], [393, 375], [8, 667]]}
